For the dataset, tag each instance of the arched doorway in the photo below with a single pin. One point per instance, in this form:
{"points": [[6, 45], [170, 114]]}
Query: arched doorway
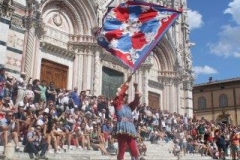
{"points": [[153, 100], [224, 118], [54, 72]]}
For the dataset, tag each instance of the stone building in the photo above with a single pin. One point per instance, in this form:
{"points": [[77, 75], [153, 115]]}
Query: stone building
{"points": [[218, 100], [52, 40]]}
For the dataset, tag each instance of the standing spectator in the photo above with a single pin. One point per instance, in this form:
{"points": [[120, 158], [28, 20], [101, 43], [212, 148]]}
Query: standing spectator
{"points": [[101, 104], [75, 98], [111, 110], [83, 95], [37, 92], [235, 138], [201, 130], [43, 91], [51, 92], [136, 114], [29, 92], [21, 87], [85, 104], [185, 121], [102, 115], [221, 144]]}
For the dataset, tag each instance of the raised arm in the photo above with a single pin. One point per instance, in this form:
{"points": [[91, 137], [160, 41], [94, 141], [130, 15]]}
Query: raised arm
{"points": [[120, 93], [123, 88], [135, 103]]}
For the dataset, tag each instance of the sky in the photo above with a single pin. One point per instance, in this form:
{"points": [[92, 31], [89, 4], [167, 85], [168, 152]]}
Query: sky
{"points": [[215, 30]]}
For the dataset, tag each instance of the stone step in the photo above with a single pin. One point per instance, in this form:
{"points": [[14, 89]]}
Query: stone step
{"points": [[96, 155], [158, 151]]}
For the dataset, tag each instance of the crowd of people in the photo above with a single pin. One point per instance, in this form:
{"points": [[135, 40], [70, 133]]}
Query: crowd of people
{"points": [[46, 119]]}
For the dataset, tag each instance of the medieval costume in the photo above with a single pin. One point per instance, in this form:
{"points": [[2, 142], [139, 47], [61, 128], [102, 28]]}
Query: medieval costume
{"points": [[125, 129]]}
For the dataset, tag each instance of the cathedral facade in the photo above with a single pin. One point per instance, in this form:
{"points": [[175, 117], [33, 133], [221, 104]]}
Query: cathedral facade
{"points": [[52, 40]]}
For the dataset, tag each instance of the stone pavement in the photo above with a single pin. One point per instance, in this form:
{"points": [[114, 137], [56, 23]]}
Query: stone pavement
{"points": [[158, 151]]}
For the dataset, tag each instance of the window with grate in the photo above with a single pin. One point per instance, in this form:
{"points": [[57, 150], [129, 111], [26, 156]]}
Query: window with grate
{"points": [[223, 100], [202, 104]]}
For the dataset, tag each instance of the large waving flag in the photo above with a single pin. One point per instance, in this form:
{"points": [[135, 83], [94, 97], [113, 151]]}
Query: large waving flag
{"points": [[131, 30]]}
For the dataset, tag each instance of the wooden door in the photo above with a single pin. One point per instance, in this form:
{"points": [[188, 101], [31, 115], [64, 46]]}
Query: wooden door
{"points": [[54, 72], [154, 100], [111, 80]]}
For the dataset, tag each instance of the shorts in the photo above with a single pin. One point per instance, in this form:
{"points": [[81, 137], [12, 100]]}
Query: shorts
{"points": [[222, 148], [234, 148]]}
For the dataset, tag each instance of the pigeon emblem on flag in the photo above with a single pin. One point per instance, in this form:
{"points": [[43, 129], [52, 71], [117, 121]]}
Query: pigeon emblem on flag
{"points": [[132, 29]]}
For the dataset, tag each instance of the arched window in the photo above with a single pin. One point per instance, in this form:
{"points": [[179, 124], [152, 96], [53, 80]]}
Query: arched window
{"points": [[223, 100], [202, 104]]}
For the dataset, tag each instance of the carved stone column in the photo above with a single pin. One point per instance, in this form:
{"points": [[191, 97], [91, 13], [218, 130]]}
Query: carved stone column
{"points": [[75, 70], [84, 68], [89, 65], [80, 69], [176, 83], [188, 108], [97, 70], [145, 85], [30, 51], [35, 27]]}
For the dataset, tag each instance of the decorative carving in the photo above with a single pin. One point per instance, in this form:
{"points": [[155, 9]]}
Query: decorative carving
{"points": [[6, 9], [59, 51], [114, 66], [57, 19], [148, 63], [224, 117], [155, 84], [187, 85], [39, 28], [16, 21], [112, 60], [102, 7]]}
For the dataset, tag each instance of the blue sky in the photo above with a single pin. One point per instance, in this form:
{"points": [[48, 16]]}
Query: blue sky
{"points": [[215, 30]]}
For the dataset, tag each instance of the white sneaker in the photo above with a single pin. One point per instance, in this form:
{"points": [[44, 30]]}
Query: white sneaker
{"points": [[58, 152], [70, 148], [50, 151], [80, 148]]}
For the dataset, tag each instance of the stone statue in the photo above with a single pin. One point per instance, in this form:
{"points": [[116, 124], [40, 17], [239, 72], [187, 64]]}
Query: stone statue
{"points": [[100, 14], [102, 7]]}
